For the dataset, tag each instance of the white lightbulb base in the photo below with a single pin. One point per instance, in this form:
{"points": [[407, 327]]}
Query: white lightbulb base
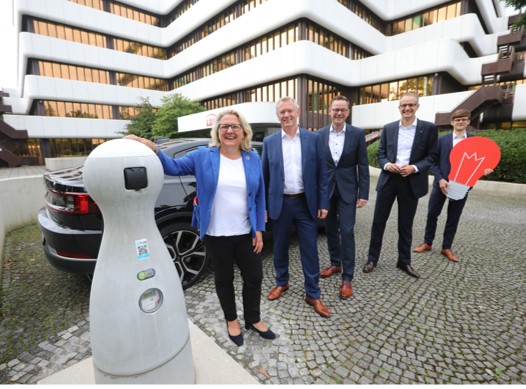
{"points": [[457, 191]]}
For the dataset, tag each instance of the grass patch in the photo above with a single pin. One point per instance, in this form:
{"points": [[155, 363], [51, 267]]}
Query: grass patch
{"points": [[36, 300]]}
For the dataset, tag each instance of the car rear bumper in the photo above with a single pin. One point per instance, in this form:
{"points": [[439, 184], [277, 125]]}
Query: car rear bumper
{"points": [[79, 249]]}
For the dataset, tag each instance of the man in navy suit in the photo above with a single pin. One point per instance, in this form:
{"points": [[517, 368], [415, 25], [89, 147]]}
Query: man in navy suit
{"points": [[406, 151], [460, 120], [348, 175], [296, 183]]}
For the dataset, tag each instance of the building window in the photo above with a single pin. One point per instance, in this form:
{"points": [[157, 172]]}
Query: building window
{"points": [[274, 40], [99, 76], [73, 34], [233, 12], [319, 95], [390, 91], [121, 10], [432, 16], [81, 110]]}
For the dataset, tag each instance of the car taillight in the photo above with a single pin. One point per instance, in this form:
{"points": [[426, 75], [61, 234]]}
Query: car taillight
{"points": [[74, 203], [67, 254]]}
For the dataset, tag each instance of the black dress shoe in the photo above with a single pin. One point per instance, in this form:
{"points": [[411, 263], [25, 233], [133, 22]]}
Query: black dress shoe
{"points": [[237, 339], [369, 266], [268, 334], [408, 269]]}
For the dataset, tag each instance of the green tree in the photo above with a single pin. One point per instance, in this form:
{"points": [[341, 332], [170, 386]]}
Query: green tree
{"points": [[518, 5], [142, 123], [174, 106]]}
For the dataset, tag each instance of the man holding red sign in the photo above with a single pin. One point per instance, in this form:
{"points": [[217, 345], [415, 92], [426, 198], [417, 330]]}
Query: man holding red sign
{"points": [[460, 120]]}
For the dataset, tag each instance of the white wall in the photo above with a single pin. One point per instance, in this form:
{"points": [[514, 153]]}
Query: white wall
{"points": [[20, 200]]}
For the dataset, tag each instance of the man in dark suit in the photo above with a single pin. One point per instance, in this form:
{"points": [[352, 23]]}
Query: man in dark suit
{"points": [[296, 183], [460, 120], [348, 175], [406, 151]]}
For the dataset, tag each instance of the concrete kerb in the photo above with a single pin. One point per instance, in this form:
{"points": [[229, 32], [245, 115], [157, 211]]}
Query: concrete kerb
{"points": [[211, 363]]}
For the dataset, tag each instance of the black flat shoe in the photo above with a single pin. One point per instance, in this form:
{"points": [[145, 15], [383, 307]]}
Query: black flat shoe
{"points": [[268, 334], [237, 339]]}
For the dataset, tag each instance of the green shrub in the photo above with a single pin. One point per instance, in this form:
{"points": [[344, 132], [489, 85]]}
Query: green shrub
{"points": [[512, 145], [372, 152]]}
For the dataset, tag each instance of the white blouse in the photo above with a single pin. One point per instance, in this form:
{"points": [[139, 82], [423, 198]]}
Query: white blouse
{"points": [[230, 208]]}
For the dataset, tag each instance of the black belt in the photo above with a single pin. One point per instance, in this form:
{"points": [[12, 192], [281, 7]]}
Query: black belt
{"points": [[294, 196]]}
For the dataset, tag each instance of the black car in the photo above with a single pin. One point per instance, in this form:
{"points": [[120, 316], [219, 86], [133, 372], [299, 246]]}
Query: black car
{"points": [[71, 222]]}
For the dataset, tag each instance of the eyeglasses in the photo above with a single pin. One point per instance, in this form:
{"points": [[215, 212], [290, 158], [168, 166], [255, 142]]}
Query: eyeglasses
{"points": [[338, 110], [412, 105], [234, 127], [458, 120]]}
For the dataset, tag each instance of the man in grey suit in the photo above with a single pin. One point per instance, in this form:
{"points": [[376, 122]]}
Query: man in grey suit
{"points": [[348, 176], [406, 151], [296, 183]]}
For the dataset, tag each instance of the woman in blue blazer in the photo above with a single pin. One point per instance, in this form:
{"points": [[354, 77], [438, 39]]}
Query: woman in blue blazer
{"points": [[230, 215]]}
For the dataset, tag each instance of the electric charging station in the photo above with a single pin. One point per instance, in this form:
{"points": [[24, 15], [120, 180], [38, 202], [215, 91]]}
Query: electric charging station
{"points": [[138, 321]]}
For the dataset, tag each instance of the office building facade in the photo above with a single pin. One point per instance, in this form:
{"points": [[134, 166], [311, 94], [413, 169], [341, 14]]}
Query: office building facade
{"points": [[85, 65]]}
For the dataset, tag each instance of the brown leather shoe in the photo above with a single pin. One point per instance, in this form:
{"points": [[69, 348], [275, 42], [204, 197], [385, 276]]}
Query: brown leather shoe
{"points": [[276, 292], [319, 307], [331, 270], [369, 267], [421, 248], [346, 290], [449, 254]]}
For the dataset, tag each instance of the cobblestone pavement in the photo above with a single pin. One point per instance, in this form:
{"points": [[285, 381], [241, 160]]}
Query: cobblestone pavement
{"points": [[460, 323]]}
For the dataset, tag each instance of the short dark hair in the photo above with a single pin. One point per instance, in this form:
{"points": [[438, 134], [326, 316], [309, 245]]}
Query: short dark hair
{"points": [[461, 113], [342, 98]]}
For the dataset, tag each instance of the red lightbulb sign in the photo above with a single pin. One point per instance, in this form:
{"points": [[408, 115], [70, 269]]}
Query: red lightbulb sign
{"points": [[469, 159]]}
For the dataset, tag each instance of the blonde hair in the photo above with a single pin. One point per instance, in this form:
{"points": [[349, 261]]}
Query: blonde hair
{"points": [[411, 94], [246, 142]]}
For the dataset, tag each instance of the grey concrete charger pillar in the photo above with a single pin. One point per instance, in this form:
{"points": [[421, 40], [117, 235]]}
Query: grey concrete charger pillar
{"points": [[138, 322]]}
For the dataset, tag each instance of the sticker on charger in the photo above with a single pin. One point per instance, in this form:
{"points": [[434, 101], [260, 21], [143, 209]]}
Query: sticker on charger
{"points": [[141, 246]]}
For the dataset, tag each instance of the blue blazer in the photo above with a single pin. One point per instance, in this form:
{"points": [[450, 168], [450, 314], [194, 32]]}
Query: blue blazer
{"points": [[442, 165], [204, 164], [313, 166], [423, 154], [352, 172]]}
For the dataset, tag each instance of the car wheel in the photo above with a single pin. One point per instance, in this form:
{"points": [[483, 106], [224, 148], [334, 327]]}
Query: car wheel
{"points": [[187, 251]]}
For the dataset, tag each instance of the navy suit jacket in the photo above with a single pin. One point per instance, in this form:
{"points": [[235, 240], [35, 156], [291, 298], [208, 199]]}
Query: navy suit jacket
{"points": [[313, 167], [352, 172], [423, 154], [442, 165]]}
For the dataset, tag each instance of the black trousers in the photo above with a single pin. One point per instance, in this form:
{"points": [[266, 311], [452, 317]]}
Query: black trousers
{"points": [[225, 252], [397, 188], [454, 211]]}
